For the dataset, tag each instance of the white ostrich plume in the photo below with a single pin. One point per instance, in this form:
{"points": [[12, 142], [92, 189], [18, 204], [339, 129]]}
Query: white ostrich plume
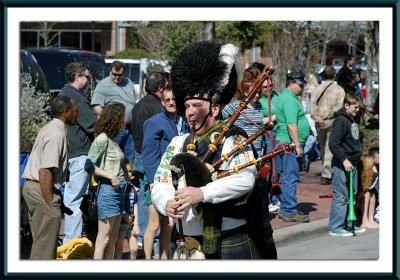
{"points": [[227, 54]]}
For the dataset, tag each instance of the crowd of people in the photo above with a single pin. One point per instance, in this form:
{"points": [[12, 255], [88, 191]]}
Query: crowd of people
{"points": [[152, 162]]}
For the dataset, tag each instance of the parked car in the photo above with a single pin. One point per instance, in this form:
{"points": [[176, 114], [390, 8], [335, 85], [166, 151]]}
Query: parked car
{"points": [[30, 65], [54, 61], [136, 69]]}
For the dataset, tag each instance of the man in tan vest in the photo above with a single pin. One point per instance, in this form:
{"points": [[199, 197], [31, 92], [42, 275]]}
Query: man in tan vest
{"points": [[326, 99]]}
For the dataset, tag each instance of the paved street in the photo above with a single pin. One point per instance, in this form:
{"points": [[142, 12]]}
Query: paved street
{"points": [[364, 246]]}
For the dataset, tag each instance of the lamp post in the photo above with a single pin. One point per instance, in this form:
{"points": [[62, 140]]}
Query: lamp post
{"points": [[93, 38]]}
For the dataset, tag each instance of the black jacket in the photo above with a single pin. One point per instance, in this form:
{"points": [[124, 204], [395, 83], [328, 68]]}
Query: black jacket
{"points": [[345, 79], [344, 141], [147, 107], [80, 135]]}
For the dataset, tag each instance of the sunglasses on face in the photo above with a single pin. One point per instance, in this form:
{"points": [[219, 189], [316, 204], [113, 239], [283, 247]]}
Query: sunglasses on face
{"points": [[116, 74], [169, 99]]}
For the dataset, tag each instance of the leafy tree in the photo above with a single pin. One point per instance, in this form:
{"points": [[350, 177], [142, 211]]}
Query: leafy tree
{"points": [[166, 39], [34, 112], [180, 35], [135, 54], [243, 33]]}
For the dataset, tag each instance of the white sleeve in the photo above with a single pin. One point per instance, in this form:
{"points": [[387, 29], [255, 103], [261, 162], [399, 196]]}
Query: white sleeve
{"points": [[235, 185], [163, 190]]}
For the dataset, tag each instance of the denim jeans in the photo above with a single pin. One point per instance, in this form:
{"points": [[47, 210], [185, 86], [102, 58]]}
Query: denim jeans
{"points": [[73, 195], [340, 200], [290, 168], [309, 146], [269, 147], [125, 140], [142, 207]]}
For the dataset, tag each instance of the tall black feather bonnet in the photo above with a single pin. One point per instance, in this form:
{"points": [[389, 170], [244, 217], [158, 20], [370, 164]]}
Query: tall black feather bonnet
{"points": [[206, 71]]}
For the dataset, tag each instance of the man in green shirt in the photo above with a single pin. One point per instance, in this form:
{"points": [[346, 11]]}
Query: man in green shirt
{"points": [[292, 127]]}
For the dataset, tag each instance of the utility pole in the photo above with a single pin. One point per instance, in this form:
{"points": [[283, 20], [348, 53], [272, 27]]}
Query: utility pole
{"points": [[93, 37]]}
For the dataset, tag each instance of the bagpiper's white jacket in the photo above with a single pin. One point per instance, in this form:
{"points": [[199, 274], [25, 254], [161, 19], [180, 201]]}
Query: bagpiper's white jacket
{"points": [[217, 191]]}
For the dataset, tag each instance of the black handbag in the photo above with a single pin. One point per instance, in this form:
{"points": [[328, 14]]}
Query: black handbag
{"points": [[89, 203]]}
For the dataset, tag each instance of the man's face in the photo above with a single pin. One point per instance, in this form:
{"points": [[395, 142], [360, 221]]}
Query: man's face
{"points": [[168, 101], [197, 110], [72, 114], [350, 63], [297, 88], [117, 76], [83, 79], [351, 109]]}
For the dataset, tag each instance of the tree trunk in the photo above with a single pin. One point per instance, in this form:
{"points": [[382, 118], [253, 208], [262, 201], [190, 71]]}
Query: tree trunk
{"points": [[371, 53], [48, 41], [306, 47], [209, 31]]}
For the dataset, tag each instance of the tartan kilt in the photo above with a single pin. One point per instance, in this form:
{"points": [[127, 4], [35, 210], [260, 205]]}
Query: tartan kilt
{"points": [[239, 246]]}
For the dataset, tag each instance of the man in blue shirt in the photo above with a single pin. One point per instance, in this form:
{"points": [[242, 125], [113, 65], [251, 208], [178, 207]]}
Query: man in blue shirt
{"points": [[158, 132]]}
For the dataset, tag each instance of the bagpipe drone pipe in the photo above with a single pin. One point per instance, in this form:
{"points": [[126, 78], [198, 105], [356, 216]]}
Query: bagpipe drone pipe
{"points": [[198, 171]]}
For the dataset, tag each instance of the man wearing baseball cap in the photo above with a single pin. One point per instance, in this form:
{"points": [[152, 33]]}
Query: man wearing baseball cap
{"points": [[292, 127]]}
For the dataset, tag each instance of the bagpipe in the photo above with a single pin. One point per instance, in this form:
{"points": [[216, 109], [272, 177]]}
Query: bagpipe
{"points": [[199, 171]]}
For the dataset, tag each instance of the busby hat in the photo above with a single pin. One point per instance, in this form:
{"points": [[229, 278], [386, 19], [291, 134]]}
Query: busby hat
{"points": [[205, 70], [297, 77]]}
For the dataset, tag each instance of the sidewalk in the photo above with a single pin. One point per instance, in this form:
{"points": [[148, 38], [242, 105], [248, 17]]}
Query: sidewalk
{"points": [[308, 192]]}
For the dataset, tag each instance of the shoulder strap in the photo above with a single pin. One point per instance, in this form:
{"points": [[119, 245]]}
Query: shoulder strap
{"points": [[104, 154], [319, 98]]}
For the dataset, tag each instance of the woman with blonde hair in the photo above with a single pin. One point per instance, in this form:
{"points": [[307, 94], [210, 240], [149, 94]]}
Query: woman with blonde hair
{"points": [[369, 183], [107, 156]]}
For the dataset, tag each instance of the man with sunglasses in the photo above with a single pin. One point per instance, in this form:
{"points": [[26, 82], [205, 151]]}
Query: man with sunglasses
{"points": [[117, 88], [292, 127], [158, 132], [80, 137]]}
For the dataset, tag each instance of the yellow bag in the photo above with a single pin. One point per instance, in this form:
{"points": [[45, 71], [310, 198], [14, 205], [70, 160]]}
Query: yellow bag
{"points": [[77, 248]]}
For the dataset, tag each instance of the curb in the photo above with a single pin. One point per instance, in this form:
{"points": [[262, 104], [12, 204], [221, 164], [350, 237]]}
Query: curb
{"points": [[286, 235]]}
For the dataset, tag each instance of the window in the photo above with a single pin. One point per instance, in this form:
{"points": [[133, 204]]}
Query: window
{"points": [[49, 39], [87, 41], [70, 40], [28, 39]]}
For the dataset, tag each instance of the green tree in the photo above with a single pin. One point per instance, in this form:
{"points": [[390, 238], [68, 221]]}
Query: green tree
{"points": [[34, 112], [242, 33], [166, 39], [180, 35]]}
